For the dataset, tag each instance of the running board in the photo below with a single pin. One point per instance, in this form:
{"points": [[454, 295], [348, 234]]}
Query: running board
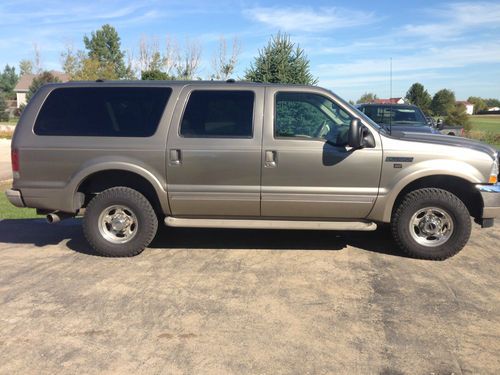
{"points": [[270, 224]]}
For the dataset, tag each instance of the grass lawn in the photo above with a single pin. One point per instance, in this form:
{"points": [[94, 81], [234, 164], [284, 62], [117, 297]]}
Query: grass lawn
{"points": [[11, 121], [8, 211], [486, 129], [487, 123]]}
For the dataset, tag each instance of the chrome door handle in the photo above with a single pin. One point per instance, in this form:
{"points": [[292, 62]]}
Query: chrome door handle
{"points": [[271, 160], [175, 157]]}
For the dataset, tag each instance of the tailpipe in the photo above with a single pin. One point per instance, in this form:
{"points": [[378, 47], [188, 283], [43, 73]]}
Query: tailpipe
{"points": [[56, 217]]}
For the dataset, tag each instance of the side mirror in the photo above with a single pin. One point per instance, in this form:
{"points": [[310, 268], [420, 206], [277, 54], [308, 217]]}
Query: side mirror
{"points": [[359, 135], [354, 138]]}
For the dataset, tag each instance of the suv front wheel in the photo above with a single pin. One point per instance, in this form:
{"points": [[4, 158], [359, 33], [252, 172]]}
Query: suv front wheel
{"points": [[431, 224], [119, 222]]}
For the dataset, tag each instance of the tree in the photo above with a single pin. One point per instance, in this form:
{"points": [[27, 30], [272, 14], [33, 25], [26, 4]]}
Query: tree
{"points": [[443, 102], [479, 103], [8, 80], [155, 64], [458, 116], [187, 64], [104, 47], [39, 81], [25, 67], [418, 95], [4, 116], [281, 61], [91, 70], [72, 61], [155, 75], [223, 66], [367, 97], [492, 102], [37, 59]]}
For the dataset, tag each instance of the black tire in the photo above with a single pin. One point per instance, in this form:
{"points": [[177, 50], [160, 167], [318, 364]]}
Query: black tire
{"points": [[419, 200], [137, 205]]}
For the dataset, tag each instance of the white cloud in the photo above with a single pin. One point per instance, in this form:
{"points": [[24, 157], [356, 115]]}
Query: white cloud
{"points": [[436, 58], [308, 19], [456, 19]]}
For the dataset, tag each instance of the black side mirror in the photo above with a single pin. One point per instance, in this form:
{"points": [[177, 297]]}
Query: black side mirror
{"points": [[359, 136], [354, 138]]}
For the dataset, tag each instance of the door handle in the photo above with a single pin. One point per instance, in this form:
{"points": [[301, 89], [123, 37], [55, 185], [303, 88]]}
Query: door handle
{"points": [[271, 159], [175, 157]]}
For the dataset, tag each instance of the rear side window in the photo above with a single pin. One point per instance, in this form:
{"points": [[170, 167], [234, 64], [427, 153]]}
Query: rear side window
{"points": [[218, 114], [102, 111]]}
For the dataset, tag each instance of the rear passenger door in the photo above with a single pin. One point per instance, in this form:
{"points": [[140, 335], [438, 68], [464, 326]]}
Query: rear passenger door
{"points": [[214, 152]]}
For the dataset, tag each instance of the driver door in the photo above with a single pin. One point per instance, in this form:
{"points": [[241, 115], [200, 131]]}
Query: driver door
{"points": [[308, 170]]}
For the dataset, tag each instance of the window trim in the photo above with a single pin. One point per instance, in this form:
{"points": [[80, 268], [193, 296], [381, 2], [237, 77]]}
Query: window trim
{"points": [[157, 125], [302, 138], [251, 136]]}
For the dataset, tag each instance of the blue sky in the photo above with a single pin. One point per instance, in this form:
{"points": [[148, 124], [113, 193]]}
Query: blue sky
{"points": [[441, 44]]}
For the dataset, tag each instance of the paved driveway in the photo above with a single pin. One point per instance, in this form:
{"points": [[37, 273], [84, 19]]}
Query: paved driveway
{"points": [[245, 302]]}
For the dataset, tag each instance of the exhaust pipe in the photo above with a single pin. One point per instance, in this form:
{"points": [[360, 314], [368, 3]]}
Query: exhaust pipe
{"points": [[56, 217]]}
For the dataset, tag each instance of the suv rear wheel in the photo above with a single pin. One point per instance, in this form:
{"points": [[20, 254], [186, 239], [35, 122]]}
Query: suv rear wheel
{"points": [[119, 222], [431, 224]]}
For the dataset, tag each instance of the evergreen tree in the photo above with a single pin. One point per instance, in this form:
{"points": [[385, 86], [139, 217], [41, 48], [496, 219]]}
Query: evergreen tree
{"points": [[104, 46], [39, 81], [281, 61], [418, 95], [155, 75], [4, 116], [8, 80], [443, 102], [458, 116]]}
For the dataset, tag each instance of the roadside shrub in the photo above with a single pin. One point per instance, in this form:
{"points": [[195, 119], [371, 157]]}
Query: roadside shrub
{"points": [[458, 116], [484, 136]]}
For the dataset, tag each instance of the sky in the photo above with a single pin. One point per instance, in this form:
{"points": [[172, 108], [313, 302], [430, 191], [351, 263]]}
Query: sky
{"points": [[350, 44]]}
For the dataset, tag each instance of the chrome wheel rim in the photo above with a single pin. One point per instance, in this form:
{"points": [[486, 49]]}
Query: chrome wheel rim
{"points": [[431, 226], [118, 224]]}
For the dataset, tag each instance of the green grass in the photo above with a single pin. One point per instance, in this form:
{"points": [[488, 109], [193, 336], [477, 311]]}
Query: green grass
{"points": [[486, 123], [8, 211], [11, 121]]}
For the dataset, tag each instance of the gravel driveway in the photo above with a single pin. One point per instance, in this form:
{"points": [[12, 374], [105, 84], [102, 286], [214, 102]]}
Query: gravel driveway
{"points": [[245, 302]]}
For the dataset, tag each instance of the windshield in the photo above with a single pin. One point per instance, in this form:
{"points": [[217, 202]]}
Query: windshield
{"points": [[396, 115]]}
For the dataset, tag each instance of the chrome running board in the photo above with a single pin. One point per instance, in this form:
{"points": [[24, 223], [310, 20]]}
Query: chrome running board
{"points": [[270, 224]]}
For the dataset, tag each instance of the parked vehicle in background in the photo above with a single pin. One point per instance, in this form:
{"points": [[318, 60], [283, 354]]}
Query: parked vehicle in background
{"points": [[243, 155], [449, 129], [398, 118]]}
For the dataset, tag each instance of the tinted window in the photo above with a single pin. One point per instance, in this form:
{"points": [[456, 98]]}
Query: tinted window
{"points": [[218, 114], [306, 115], [394, 115], [102, 111]]}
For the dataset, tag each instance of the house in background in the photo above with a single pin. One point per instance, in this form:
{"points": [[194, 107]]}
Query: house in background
{"points": [[389, 101], [469, 107], [25, 81]]}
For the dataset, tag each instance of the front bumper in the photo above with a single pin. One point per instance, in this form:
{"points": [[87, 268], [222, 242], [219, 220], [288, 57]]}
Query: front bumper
{"points": [[491, 200], [15, 197]]}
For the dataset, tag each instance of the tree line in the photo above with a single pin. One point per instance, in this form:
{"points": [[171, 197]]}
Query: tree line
{"points": [[280, 61]]}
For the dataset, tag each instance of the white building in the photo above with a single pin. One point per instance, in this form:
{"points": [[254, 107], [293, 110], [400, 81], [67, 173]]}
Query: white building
{"points": [[469, 107]]}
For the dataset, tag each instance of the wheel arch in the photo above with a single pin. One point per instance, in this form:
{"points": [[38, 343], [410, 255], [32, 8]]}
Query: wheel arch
{"points": [[461, 187], [103, 176]]}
